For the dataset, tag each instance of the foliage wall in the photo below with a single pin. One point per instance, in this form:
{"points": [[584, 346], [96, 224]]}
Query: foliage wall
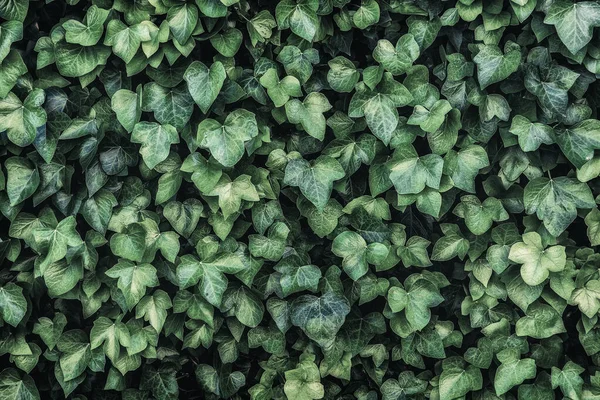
{"points": [[301, 199]]}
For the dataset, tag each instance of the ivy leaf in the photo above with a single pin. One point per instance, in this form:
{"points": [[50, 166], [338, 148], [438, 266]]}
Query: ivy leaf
{"points": [[579, 141], [397, 60], [129, 244], [153, 308], [128, 107], [278, 90], [13, 387], [478, 215], [456, 380], [172, 106], [411, 173], [182, 20], [342, 75], [537, 262], [300, 16], [22, 180], [184, 217], [494, 66], [133, 279], [14, 10], [357, 254], [75, 355], [111, 335], [21, 120], [297, 276], [156, 141], [50, 330], [379, 107], [231, 193], [315, 179], [125, 40], [541, 321], [309, 113], [304, 382], [10, 32], [416, 300], [90, 31], [568, 379], [512, 373], [555, 201], [574, 22], [53, 243], [320, 317], [260, 28], [531, 134], [13, 305], [226, 141], [205, 83], [208, 274], [464, 165]]}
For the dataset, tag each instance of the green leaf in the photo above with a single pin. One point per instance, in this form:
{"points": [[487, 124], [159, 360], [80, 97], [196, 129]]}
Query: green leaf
{"points": [[172, 106], [226, 141], [464, 165], [74, 61], [232, 193], [415, 301], [129, 244], [315, 179], [209, 274], [574, 22], [13, 387], [182, 20], [153, 308], [531, 134], [128, 107], [22, 120], [478, 215], [299, 16], [22, 179], [125, 40], [54, 242], [541, 321], [205, 83], [304, 382], [537, 262], [397, 60], [578, 142], [320, 317], [133, 279], [184, 217], [342, 75], [13, 305], [555, 201], [156, 141], [10, 32], [13, 9], [456, 381], [297, 276], [309, 113], [568, 379], [494, 66], [227, 43], [367, 14], [411, 173], [75, 354], [90, 31], [111, 335], [513, 373]]}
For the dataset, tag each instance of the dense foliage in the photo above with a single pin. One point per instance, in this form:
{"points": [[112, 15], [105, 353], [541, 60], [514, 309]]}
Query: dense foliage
{"points": [[301, 199]]}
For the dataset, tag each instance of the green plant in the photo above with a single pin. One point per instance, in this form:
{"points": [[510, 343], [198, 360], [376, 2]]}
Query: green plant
{"points": [[301, 199]]}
